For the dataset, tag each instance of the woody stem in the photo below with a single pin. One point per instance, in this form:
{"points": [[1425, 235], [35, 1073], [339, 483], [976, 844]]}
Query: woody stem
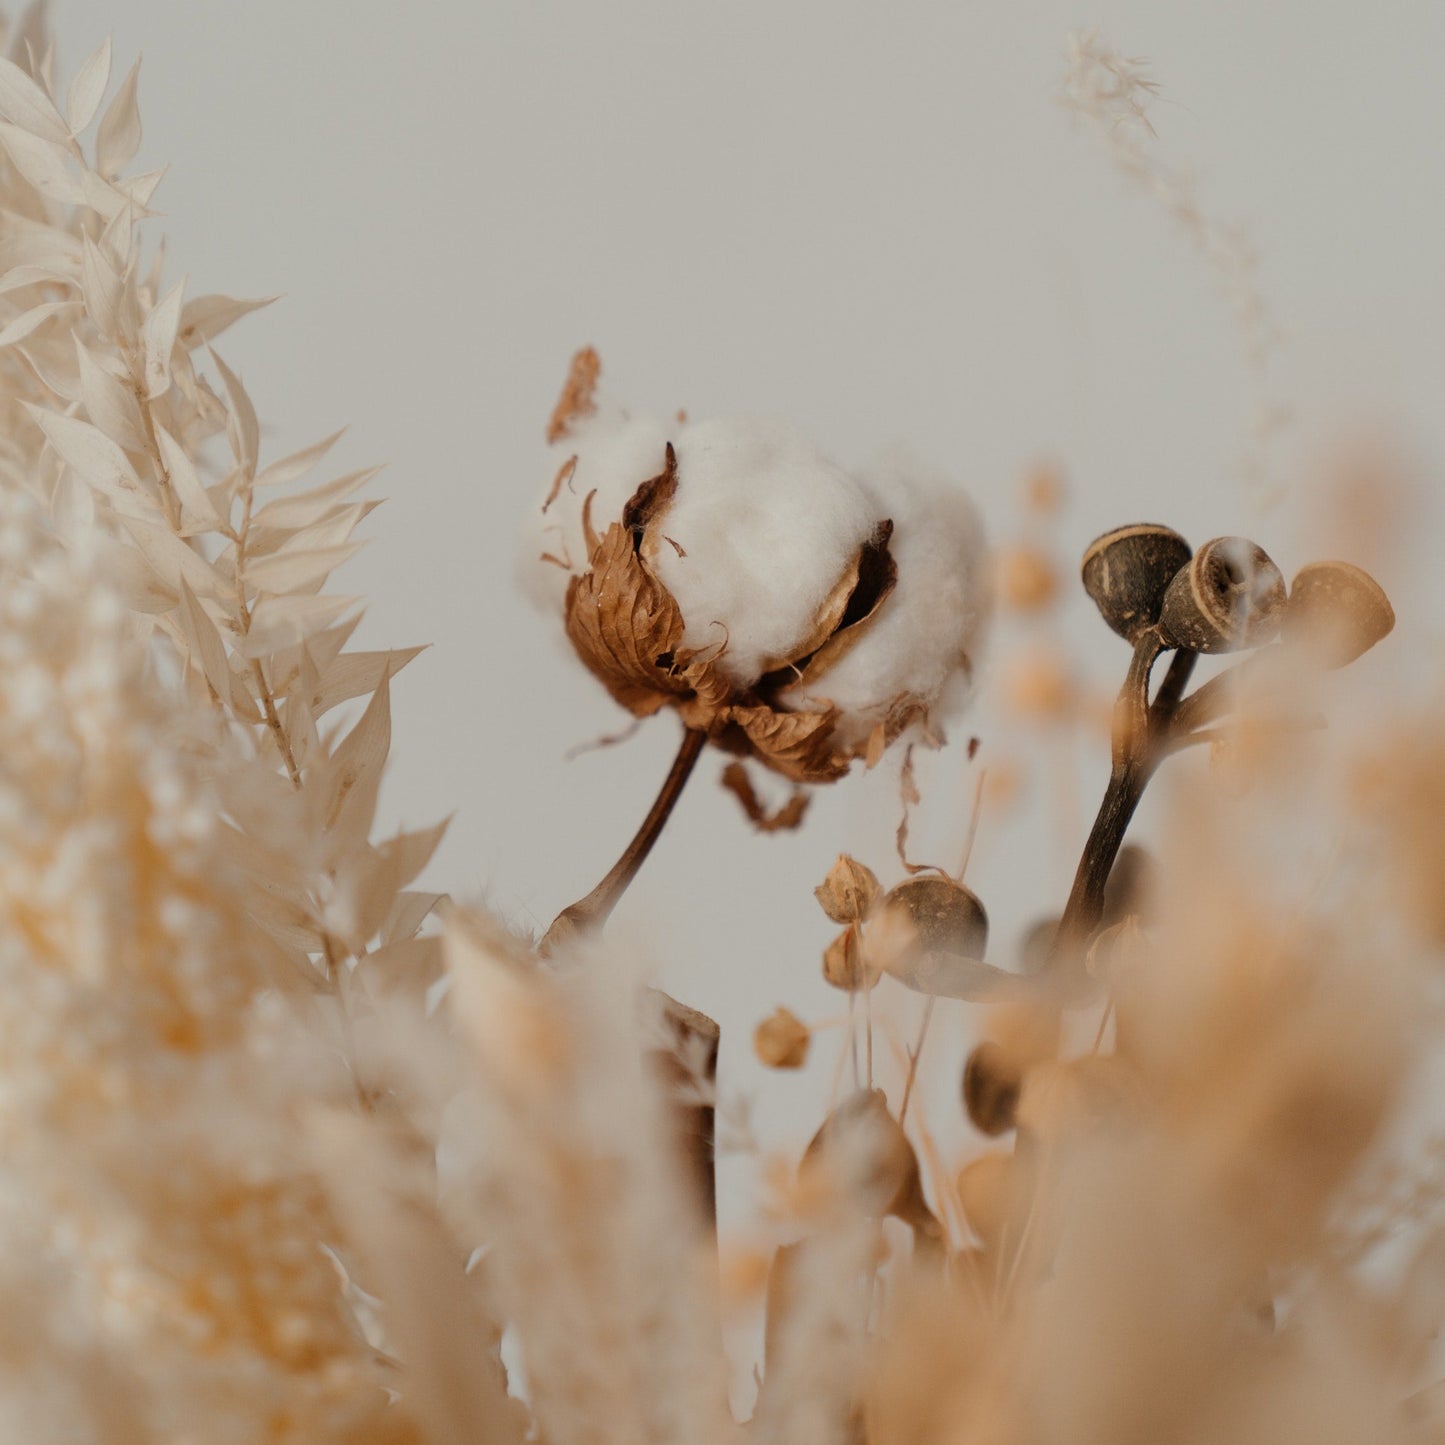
{"points": [[592, 911]]}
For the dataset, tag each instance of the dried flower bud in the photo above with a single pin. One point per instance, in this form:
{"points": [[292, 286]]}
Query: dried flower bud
{"points": [[844, 965], [1026, 579], [1229, 597], [992, 1082], [848, 893], [988, 1189], [1127, 572], [781, 1040], [1337, 612]]}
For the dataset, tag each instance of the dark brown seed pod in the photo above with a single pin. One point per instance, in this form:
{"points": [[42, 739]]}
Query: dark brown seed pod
{"points": [[1337, 611], [930, 934], [1230, 596], [991, 1086], [1127, 572]]}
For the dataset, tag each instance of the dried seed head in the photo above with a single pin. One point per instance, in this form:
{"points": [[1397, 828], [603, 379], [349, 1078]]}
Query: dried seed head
{"points": [[1229, 597], [988, 1190], [1026, 578], [1337, 612], [844, 965], [848, 893], [781, 1040], [1127, 572], [992, 1082]]}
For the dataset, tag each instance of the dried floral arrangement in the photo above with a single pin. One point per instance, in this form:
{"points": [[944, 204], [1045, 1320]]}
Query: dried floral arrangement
{"points": [[284, 1160]]}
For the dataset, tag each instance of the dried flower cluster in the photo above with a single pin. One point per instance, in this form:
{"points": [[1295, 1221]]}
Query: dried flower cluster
{"points": [[278, 1165]]}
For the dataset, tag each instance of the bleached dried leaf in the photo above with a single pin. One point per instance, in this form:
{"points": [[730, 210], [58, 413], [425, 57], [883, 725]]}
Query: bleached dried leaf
{"points": [[30, 320], [25, 104], [243, 704], [205, 644], [110, 403], [357, 673], [279, 622], [118, 138], [139, 189], [393, 865], [354, 773], [19, 277], [173, 560], [243, 430], [43, 163], [72, 508], [133, 578], [408, 912], [203, 318], [296, 571], [101, 288], [287, 469], [158, 338], [183, 477], [332, 530], [309, 507], [87, 88], [96, 459]]}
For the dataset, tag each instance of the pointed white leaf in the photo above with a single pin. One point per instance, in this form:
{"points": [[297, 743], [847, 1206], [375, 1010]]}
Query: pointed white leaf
{"points": [[87, 88], [27, 321], [100, 286], [408, 912], [355, 768], [72, 508], [110, 403], [158, 337], [95, 457], [183, 477], [206, 645], [334, 528], [356, 673], [279, 622], [287, 469], [174, 561], [205, 317], [296, 571], [307, 508], [25, 103], [243, 431], [43, 164], [118, 138], [141, 188], [21, 276]]}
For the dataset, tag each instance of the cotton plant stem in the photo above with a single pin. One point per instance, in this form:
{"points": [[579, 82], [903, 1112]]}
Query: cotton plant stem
{"points": [[593, 911]]}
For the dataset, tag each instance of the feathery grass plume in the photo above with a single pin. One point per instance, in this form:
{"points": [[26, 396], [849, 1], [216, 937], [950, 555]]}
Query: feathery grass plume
{"points": [[1114, 94]]}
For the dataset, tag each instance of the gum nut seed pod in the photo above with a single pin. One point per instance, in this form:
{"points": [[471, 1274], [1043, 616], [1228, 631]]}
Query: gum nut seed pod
{"points": [[988, 1189], [926, 914], [844, 965], [1127, 572], [1337, 612], [992, 1082], [781, 1040], [848, 893], [1229, 597]]}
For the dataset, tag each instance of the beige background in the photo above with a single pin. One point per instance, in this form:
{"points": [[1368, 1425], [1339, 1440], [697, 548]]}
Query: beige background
{"points": [[873, 219]]}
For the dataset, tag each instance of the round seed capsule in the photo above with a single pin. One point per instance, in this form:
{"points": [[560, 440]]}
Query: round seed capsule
{"points": [[992, 1082], [1230, 596], [930, 934], [1127, 572], [1337, 612]]}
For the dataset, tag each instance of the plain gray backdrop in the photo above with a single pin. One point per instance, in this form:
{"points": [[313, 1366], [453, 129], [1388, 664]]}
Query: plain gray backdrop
{"points": [[875, 220]]}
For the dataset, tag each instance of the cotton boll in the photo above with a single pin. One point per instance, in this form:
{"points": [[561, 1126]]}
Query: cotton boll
{"points": [[615, 453], [760, 531], [922, 640]]}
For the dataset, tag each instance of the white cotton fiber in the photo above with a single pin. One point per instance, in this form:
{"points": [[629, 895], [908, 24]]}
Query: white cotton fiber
{"points": [[923, 638], [615, 453], [763, 526]]}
